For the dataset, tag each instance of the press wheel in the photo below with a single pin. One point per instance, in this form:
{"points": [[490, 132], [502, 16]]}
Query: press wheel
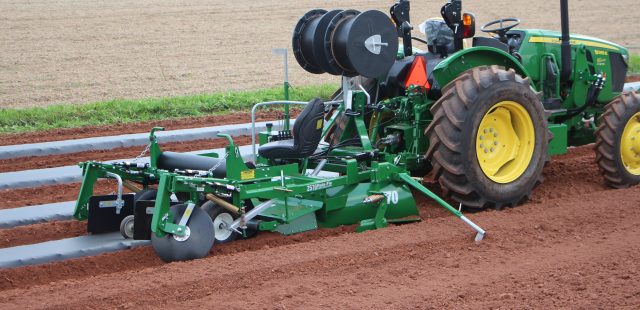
{"points": [[195, 244]]}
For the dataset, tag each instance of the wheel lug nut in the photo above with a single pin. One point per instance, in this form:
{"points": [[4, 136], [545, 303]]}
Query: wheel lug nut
{"points": [[481, 146], [485, 130], [495, 142], [486, 150], [490, 129], [492, 150]]}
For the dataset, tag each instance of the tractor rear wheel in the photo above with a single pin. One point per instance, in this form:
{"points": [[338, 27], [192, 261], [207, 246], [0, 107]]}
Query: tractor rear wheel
{"points": [[618, 141], [488, 139]]}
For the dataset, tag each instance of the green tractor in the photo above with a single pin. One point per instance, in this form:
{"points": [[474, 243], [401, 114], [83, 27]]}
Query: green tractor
{"points": [[482, 119]]}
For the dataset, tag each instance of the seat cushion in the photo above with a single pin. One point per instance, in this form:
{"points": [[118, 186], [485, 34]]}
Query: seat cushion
{"points": [[171, 161], [279, 149]]}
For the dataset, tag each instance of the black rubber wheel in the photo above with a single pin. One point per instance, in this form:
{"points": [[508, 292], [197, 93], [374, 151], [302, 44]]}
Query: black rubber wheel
{"points": [[620, 169], [126, 227], [456, 140], [220, 218], [146, 194], [199, 242]]}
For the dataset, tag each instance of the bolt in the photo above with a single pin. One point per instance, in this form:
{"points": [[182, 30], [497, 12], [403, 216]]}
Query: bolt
{"points": [[495, 142], [179, 229], [481, 146], [490, 129], [485, 130], [481, 137], [495, 134], [486, 150], [492, 150]]}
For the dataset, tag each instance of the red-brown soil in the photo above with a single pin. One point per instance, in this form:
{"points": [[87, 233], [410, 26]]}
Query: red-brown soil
{"points": [[41, 162], [14, 198], [573, 245], [633, 78], [41, 232]]}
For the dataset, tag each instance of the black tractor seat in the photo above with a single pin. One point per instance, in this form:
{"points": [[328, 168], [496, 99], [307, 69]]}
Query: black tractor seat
{"points": [[171, 161], [307, 132]]}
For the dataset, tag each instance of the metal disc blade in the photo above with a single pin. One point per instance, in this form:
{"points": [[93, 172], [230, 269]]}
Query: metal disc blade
{"points": [[197, 245]]}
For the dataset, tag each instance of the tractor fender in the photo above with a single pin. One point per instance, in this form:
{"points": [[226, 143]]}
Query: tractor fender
{"points": [[453, 66]]}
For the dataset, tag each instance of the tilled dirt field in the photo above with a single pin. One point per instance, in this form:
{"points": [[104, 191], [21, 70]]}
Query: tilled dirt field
{"points": [[61, 51], [573, 245]]}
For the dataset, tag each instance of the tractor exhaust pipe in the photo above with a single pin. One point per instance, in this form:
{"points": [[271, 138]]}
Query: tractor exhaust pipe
{"points": [[565, 74]]}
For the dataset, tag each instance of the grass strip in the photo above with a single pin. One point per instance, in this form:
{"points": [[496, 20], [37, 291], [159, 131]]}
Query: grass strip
{"points": [[120, 111], [634, 64]]}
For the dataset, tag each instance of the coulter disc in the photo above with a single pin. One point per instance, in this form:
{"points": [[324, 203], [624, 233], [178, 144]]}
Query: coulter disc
{"points": [[195, 244]]}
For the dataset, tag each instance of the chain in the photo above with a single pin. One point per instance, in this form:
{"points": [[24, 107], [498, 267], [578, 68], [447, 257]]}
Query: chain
{"points": [[218, 163], [146, 149]]}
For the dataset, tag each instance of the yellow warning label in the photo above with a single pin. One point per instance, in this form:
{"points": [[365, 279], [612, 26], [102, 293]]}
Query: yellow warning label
{"points": [[247, 174], [320, 123]]}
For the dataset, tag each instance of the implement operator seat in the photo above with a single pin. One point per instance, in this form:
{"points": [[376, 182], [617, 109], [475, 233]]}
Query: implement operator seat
{"points": [[307, 132]]}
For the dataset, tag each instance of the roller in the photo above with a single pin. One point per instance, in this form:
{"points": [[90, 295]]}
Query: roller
{"points": [[302, 41]]}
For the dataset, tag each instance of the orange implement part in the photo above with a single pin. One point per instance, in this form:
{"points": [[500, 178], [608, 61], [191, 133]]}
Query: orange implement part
{"points": [[418, 74]]}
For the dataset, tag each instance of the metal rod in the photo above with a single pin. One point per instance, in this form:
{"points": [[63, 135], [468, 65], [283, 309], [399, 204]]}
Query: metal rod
{"points": [[318, 167], [119, 202], [366, 94], [253, 120], [221, 202], [131, 187], [480, 232], [250, 215]]}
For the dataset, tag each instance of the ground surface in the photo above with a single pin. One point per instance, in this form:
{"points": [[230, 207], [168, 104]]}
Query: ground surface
{"points": [[575, 244], [77, 51]]}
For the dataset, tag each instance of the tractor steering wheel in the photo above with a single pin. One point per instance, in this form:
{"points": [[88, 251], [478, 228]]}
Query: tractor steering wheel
{"points": [[506, 24]]}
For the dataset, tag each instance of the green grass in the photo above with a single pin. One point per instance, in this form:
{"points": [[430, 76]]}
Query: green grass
{"points": [[634, 64], [126, 111]]}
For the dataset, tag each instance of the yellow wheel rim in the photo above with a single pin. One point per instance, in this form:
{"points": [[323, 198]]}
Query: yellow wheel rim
{"points": [[505, 142], [630, 145]]}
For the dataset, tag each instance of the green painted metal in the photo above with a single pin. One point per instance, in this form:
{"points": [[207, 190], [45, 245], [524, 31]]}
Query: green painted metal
{"points": [[287, 116], [558, 145], [454, 65], [371, 181]]}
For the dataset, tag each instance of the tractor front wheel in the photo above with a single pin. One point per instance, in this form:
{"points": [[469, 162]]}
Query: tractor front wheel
{"points": [[488, 139], [618, 141]]}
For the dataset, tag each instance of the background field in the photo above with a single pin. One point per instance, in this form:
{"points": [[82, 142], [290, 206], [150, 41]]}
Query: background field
{"points": [[79, 51]]}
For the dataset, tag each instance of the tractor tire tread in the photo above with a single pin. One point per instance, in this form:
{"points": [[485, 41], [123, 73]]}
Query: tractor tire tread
{"points": [[446, 136], [611, 124]]}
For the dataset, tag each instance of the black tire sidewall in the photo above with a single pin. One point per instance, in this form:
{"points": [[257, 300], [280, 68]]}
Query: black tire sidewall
{"points": [[213, 210], [498, 92], [146, 194]]}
